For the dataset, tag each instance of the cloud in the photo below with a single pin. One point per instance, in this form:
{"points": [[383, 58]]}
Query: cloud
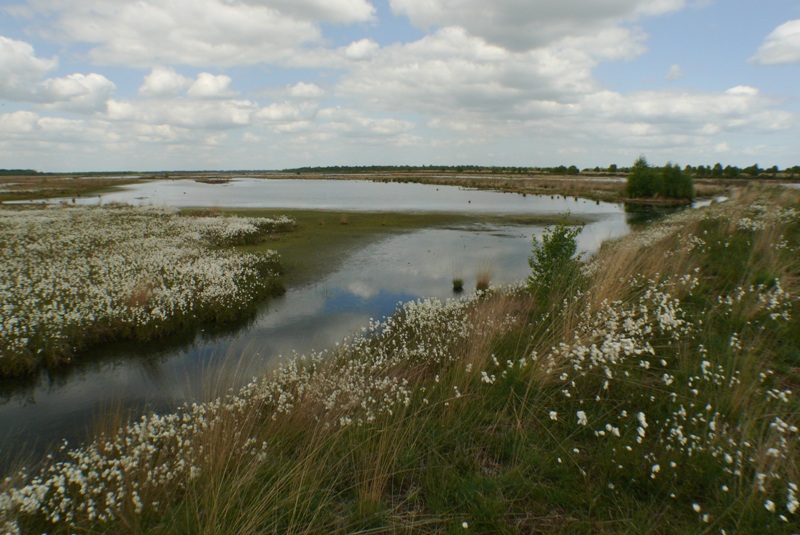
{"points": [[737, 108], [302, 90], [782, 46], [20, 122], [363, 49], [77, 92], [163, 82], [337, 11], [285, 112], [193, 114], [210, 86], [665, 124], [39, 130], [526, 24], [22, 79], [674, 73], [453, 73], [200, 33], [20, 69]]}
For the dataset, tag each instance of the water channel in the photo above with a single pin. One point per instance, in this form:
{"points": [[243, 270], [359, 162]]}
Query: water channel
{"points": [[37, 413]]}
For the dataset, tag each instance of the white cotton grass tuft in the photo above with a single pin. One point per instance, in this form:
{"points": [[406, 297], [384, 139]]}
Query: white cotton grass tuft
{"points": [[70, 271]]}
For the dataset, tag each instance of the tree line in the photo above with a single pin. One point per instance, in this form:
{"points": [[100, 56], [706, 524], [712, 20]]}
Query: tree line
{"points": [[700, 171], [18, 172]]}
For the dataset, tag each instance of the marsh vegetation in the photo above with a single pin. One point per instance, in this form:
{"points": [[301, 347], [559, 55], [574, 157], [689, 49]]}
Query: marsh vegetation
{"points": [[75, 276], [657, 392]]}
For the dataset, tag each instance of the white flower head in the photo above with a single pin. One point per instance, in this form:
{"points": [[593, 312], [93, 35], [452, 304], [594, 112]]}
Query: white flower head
{"points": [[642, 420]]}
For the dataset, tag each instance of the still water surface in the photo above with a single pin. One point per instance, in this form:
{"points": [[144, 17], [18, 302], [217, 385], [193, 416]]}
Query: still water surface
{"points": [[343, 195], [369, 284]]}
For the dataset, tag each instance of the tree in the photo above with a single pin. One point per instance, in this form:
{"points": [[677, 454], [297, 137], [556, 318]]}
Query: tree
{"points": [[753, 170], [717, 171], [676, 184], [732, 171], [640, 180]]}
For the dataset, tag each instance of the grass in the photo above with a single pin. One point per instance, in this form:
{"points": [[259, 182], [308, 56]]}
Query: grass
{"points": [[16, 188], [659, 396], [483, 278]]}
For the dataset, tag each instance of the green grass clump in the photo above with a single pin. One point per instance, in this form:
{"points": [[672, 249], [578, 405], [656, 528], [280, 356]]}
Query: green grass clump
{"points": [[658, 395], [458, 285]]}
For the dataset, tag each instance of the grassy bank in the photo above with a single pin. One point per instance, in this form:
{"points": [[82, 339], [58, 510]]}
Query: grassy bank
{"points": [[75, 276], [655, 393], [25, 188]]}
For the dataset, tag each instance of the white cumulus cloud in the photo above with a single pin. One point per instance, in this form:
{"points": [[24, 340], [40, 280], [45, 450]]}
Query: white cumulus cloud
{"points": [[363, 49], [302, 90], [194, 114], [20, 69], [22, 78], [208, 85], [190, 32], [78, 92], [201, 33], [453, 73], [163, 82], [781, 46]]}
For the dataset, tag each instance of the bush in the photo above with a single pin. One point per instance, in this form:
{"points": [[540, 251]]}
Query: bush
{"points": [[554, 263]]}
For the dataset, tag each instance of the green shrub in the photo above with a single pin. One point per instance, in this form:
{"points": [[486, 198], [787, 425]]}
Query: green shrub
{"points": [[554, 263]]}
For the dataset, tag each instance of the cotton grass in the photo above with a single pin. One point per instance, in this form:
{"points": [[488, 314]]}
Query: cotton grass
{"points": [[72, 276]]}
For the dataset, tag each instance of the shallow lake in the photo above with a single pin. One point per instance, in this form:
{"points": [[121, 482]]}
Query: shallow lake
{"points": [[343, 195], [369, 284]]}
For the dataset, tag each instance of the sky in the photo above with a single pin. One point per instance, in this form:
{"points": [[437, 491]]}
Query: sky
{"points": [[159, 85]]}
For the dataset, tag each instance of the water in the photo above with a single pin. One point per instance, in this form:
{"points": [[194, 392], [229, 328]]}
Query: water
{"points": [[36, 413], [342, 195]]}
